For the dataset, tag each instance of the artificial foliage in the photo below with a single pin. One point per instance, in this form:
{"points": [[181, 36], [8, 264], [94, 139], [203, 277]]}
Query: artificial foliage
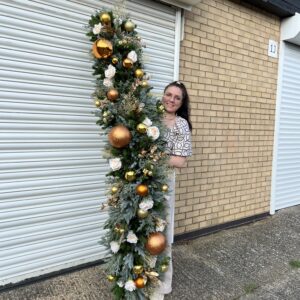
{"points": [[137, 178]]}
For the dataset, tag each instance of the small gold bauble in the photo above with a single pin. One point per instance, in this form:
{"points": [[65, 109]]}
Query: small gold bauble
{"points": [[112, 94], [156, 243], [130, 175], [119, 136], [144, 83], [164, 268], [105, 18], [121, 230], [102, 48], [127, 63], [105, 114], [111, 278], [114, 190], [138, 269], [97, 103], [141, 128], [150, 173], [142, 214], [129, 26], [139, 73], [142, 190], [140, 282], [161, 108], [164, 187], [114, 60]]}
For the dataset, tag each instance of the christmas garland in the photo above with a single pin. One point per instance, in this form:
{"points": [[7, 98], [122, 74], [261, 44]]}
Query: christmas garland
{"points": [[131, 117]]}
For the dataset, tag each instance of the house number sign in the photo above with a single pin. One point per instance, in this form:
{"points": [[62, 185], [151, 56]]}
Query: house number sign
{"points": [[273, 48]]}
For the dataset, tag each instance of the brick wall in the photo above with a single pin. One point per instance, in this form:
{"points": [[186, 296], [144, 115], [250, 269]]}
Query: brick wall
{"points": [[232, 82]]}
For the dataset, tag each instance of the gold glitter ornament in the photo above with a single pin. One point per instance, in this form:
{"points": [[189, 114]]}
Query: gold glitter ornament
{"points": [[105, 18], [114, 190], [144, 83], [142, 214], [127, 63], [129, 26], [102, 48], [141, 128], [139, 73], [114, 60], [138, 269], [164, 188]]}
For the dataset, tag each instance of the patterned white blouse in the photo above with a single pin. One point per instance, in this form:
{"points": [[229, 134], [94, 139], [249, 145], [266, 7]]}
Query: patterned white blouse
{"points": [[178, 138]]}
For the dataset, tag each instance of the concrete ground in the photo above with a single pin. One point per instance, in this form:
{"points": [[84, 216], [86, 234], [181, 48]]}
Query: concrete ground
{"points": [[247, 262]]}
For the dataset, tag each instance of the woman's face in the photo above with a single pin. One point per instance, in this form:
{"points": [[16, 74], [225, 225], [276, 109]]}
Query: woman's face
{"points": [[172, 99]]}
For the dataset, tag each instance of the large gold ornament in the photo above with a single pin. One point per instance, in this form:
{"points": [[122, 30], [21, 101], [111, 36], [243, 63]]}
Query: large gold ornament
{"points": [[127, 63], [139, 73], [164, 188], [112, 94], [105, 18], [142, 190], [141, 128], [130, 175], [142, 214], [156, 243], [129, 26], [140, 282], [102, 48], [111, 278], [119, 136], [138, 269]]}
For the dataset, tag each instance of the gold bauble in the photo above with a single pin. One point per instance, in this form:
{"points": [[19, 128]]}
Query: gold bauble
{"points": [[140, 282], [139, 73], [142, 214], [138, 269], [111, 278], [119, 136], [164, 268], [142, 190], [129, 26], [105, 114], [144, 83], [164, 187], [105, 18], [121, 230], [97, 103], [130, 175], [161, 108], [114, 60], [102, 48], [150, 173], [127, 63], [114, 190], [112, 94], [156, 243], [141, 128]]}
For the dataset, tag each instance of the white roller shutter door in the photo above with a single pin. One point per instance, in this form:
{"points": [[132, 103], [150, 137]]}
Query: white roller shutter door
{"points": [[52, 178], [286, 166]]}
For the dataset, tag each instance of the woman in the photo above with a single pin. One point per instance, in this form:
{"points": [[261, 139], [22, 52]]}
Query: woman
{"points": [[178, 137]]}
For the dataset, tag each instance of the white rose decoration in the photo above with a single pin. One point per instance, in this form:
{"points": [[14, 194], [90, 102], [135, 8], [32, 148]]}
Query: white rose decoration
{"points": [[115, 164], [97, 28], [131, 237], [153, 132], [114, 246], [132, 55], [107, 82], [160, 224], [146, 204], [147, 122], [110, 72], [130, 286]]}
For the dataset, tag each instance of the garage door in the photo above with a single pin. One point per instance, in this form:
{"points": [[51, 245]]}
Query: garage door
{"points": [[52, 175], [286, 167]]}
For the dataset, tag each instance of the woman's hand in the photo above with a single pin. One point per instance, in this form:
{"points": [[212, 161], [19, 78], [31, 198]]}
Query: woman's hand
{"points": [[177, 161]]}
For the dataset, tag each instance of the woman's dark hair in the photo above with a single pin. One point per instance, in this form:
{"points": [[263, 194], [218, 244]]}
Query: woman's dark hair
{"points": [[184, 110]]}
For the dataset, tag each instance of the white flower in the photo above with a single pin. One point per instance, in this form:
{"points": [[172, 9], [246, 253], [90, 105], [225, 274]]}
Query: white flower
{"points": [[97, 28], [120, 283], [107, 82], [115, 163], [130, 285], [131, 237], [146, 204], [153, 132], [114, 246], [160, 224], [147, 122], [132, 55], [110, 72]]}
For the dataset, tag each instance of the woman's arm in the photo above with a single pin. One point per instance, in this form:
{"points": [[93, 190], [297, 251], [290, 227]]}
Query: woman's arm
{"points": [[177, 161]]}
